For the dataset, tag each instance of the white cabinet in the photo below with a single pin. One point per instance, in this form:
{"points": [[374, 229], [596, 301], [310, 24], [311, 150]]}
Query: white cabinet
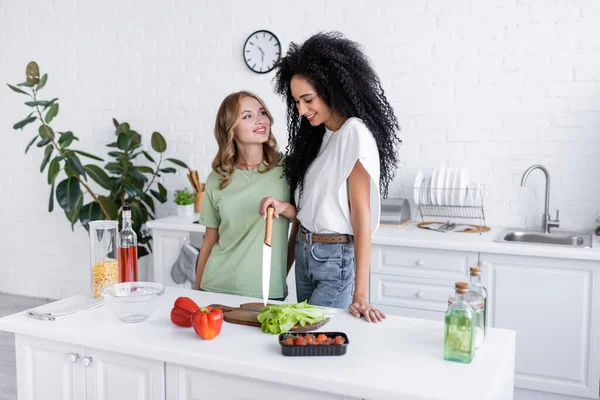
{"points": [[186, 383], [48, 370], [166, 248], [53, 370], [415, 282], [551, 305]]}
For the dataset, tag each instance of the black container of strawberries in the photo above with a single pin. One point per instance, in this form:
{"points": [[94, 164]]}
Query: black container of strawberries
{"points": [[294, 344]]}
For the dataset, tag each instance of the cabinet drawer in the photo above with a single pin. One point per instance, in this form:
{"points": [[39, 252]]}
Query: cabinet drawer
{"points": [[411, 312], [420, 294], [419, 262]]}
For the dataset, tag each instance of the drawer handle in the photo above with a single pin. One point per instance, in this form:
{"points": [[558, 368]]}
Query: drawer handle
{"points": [[420, 263], [87, 361], [420, 295], [73, 357]]}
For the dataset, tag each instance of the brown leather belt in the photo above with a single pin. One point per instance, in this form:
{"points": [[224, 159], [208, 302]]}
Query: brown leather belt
{"points": [[327, 238]]}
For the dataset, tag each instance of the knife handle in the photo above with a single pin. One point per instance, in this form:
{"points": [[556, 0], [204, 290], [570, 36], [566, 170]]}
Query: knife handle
{"points": [[269, 227]]}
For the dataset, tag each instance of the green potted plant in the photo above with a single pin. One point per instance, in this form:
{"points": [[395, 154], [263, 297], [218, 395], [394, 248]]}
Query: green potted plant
{"points": [[185, 202], [122, 180]]}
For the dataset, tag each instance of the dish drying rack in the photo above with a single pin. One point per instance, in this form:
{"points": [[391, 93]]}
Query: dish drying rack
{"points": [[463, 203]]}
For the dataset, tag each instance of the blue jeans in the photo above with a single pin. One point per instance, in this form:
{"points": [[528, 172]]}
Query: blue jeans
{"points": [[324, 273]]}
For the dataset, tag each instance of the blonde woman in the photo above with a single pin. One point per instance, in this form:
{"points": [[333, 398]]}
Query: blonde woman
{"points": [[247, 167]]}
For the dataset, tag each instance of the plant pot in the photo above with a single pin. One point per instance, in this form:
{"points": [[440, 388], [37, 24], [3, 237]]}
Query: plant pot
{"points": [[185, 211]]}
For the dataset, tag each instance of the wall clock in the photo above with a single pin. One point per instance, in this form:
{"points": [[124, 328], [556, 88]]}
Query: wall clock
{"points": [[261, 51]]}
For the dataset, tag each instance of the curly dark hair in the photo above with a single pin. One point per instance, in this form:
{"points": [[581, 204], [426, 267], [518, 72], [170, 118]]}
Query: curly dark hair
{"points": [[342, 75]]}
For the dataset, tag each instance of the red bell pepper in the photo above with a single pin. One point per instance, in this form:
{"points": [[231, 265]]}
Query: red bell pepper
{"points": [[182, 311], [207, 322]]}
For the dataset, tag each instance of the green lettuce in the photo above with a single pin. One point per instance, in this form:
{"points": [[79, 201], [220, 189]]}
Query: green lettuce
{"points": [[281, 318]]}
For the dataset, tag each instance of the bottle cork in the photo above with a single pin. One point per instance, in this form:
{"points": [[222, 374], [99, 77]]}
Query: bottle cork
{"points": [[475, 271], [462, 287]]}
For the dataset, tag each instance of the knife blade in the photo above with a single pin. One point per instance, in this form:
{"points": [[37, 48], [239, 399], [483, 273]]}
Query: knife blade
{"points": [[266, 261]]}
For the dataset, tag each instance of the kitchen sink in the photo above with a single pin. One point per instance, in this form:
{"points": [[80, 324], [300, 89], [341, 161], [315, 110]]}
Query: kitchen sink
{"points": [[563, 239]]}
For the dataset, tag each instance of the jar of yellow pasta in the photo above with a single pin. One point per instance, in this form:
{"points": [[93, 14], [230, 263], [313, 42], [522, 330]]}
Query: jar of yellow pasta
{"points": [[103, 255]]}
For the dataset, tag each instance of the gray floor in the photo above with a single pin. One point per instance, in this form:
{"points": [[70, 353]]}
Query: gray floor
{"points": [[10, 304]]}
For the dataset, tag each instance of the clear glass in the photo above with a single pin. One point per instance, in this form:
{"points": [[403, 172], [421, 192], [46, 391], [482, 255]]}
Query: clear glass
{"points": [[104, 268], [459, 332], [476, 286], [133, 301], [477, 303], [128, 252]]}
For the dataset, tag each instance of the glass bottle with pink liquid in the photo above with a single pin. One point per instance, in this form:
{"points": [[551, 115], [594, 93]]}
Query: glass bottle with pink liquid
{"points": [[128, 252]]}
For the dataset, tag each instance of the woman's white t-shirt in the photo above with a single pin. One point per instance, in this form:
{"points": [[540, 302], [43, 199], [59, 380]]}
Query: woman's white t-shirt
{"points": [[324, 204]]}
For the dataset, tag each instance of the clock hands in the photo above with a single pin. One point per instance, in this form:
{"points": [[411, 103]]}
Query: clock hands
{"points": [[262, 53]]}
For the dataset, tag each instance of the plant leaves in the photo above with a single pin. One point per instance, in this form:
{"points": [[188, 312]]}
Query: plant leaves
{"points": [[68, 193], [45, 131], [98, 175], [73, 215], [113, 144], [25, 84], [158, 196], [142, 251], [114, 167], [168, 170], [149, 201], [178, 162], [75, 164], [47, 155], [52, 112], [162, 189], [31, 143], [44, 142], [136, 138], [138, 218], [16, 89], [53, 170], [134, 173], [133, 191], [122, 128], [145, 170], [50, 103], [116, 154], [88, 155], [158, 143], [90, 212], [36, 103], [33, 73], [145, 153], [21, 124], [123, 142], [115, 123], [65, 140], [42, 82], [111, 207], [51, 199]]}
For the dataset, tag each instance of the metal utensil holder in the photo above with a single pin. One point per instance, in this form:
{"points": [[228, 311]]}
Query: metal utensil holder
{"points": [[463, 203]]}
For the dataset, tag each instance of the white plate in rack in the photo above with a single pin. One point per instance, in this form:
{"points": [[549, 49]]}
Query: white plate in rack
{"points": [[433, 188], [463, 182], [448, 186], [441, 187], [418, 183]]}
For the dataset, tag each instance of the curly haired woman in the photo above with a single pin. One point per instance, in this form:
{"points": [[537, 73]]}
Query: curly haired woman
{"points": [[247, 165], [342, 154]]}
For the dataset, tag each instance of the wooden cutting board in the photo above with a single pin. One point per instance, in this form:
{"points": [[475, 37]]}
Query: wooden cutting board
{"points": [[247, 313]]}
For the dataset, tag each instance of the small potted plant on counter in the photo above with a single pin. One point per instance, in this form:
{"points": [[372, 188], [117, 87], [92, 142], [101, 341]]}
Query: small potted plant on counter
{"points": [[185, 202]]}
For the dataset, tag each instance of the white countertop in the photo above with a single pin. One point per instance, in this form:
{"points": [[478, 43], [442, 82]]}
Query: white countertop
{"points": [[423, 238], [399, 358]]}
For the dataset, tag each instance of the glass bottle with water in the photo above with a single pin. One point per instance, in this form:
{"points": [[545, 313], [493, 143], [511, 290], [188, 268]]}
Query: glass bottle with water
{"points": [[459, 332], [476, 286]]}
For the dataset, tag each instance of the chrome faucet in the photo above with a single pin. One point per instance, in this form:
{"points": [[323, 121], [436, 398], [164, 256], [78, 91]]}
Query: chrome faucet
{"points": [[547, 222]]}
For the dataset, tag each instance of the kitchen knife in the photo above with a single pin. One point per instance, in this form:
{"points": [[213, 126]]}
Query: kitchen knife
{"points": [[266, 261]]}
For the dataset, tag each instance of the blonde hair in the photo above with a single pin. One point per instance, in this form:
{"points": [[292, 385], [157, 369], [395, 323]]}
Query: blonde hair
{"points": [[227, 119]]}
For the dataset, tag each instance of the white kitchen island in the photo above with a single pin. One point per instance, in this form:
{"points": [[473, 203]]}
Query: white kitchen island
{"points": [[92, 355]]}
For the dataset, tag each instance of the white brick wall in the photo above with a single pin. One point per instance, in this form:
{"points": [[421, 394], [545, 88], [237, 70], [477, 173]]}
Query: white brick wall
{"points": [[496, 86]]}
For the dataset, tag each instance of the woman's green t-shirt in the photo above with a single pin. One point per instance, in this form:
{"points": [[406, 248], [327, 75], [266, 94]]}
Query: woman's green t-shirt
{"points": [[235, 263]]}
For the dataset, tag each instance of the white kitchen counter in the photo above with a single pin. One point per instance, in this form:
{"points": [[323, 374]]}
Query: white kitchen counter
{"points": [[399, 358], [423, 238]]}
